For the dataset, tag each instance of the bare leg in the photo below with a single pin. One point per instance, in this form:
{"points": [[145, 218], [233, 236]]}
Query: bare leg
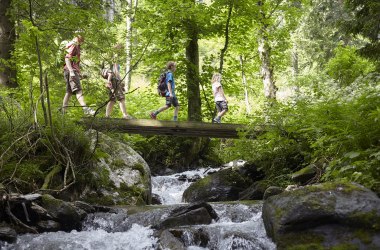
{"points": [[123, 108], [176, 109], [162, 108], [109, 108], [80, 98], [66, 100], [222, 113]]}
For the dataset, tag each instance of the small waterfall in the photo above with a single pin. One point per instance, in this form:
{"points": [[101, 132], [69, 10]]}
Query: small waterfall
{"points": [[239, 226]]}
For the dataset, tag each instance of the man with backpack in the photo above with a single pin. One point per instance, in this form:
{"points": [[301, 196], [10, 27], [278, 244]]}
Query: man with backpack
{"points": [[170, 96], [72, 75]]}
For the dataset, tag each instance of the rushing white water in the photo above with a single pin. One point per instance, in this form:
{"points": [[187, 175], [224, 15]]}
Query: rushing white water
{"points": [[239, 226], [170, 188]]}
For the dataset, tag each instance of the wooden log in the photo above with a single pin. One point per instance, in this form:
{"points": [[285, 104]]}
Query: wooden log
{"points": [[156, 127]]}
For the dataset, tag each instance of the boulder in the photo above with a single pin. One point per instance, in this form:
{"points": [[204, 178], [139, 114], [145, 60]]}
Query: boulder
{"points": [[272, 190], [169, 241], [193, 214], [304, 175], [254, 192], [7, 234], [122, 176], [62, 212], [326, 215], [224, 185]]}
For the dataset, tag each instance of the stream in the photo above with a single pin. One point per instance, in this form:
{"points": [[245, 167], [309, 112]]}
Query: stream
{"points": [[240, 225]]}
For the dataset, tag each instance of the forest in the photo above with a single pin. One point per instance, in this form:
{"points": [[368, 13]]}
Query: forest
{"points": [[306, 71]]}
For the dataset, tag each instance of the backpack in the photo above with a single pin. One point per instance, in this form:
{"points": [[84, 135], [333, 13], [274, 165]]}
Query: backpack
{"points": [[162, 87], [104, 73]]}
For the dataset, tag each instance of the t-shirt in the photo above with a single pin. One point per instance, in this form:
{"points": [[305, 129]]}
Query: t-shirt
{"points": [[217, 90], [73, 53], [170, 77]]}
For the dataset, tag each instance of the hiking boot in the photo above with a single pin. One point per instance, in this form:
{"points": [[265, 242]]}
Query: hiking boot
{"points": [[128, 117], [89, 111], [153, 116]]}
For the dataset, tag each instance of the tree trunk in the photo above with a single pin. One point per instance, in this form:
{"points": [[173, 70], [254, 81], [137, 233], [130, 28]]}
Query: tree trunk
{"points": [[266, 67], [7, 39], [192, 74], [110, 10], [244, 81], [128, 43], [294, 60], [226, 36]]}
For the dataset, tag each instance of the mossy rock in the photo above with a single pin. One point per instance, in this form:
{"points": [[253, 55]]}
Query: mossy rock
{"points": [[62, 212], [224, 185], [339, 208]]}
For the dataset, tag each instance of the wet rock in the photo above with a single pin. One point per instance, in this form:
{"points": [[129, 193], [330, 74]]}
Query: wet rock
{"points": [[7, 234], [169, 241], [41, 212], [193, 214], [156, 200], [48, 226], [317, 214], [273, 190], [62, 212], [224, 185], [304, 175], [254, 192], [85, 206]]}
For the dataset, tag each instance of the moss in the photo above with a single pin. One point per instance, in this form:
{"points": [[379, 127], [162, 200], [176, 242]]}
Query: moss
{"points": [[345, 246], [364, 236], [118, 163], [49, 177], [311, 246], [139, 167], [100, 154], [368, 219], [50, 201], [300, 241], [103, 200]]}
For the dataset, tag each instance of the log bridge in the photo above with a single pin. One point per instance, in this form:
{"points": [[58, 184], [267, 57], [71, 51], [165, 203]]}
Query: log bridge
{"points": [[156, 127]]}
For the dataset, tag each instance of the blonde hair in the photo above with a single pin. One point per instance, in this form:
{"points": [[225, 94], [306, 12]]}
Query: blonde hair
{"points": [[170, 65], [216, 77], [80, 38]]}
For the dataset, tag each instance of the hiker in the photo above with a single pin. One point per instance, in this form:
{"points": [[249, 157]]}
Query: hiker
{"points": [[220, 99], [116, 90], [170, 96], [71, 72]]}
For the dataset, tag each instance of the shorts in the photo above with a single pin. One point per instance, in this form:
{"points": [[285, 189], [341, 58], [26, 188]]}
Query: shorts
{"points": [[221, 105], [72, 83], [171, 101], [118, 91]]}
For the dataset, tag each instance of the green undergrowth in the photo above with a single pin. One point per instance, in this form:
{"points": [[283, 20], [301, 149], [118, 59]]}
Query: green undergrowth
{"points": [[338, 134]]}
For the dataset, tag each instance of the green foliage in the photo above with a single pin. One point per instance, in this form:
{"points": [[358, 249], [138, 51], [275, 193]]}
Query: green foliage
{"points": [[346, 66], [30, 152], [339, 135]]}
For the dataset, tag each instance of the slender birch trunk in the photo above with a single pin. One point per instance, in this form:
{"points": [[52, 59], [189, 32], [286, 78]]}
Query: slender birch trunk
{"points": [[244, 82]]}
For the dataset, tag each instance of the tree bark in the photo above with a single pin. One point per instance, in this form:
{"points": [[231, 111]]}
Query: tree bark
{"points": [[244, 81], [110, 10], [295, 60], [192, 74], [266, 70], [226, 36], [128, 42], [7, 39]]}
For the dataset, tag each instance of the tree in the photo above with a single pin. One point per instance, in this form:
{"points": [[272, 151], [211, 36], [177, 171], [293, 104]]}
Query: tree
{"points": [[7, 39], [367, 24]]}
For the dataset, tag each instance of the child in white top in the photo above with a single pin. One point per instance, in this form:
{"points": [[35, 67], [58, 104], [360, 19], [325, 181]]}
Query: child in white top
{"points": [[219, 97]]}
